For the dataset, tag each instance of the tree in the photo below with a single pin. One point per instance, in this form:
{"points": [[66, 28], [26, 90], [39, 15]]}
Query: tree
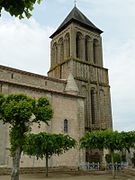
{"points": [[20, 112], [133, 159], [117, 158], [108, 139], [127, 140], [18, 8], [45, 145]]}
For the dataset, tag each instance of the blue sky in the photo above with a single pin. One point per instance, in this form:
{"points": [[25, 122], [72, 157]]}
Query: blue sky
{"points": [[25, 45]]}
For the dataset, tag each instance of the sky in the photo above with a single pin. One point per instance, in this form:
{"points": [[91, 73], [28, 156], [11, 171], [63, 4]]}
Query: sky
{"points": [[24, 44]]}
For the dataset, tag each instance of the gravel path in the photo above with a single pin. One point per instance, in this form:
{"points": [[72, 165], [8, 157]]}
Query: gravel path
{"points": [[67, 177]]}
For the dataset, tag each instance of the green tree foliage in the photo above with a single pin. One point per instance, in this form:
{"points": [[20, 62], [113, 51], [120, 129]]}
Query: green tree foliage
{"points": [[108, 139], [92, 140], [45, 145], [116, 156], [18, 8], [20, 111], [127, 140]]}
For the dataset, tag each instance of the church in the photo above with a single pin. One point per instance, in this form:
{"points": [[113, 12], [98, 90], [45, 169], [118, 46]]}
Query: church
{"points": [[77, 86]]}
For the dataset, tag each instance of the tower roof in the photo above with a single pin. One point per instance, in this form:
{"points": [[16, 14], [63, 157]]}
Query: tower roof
{"points": [[78, 17]]}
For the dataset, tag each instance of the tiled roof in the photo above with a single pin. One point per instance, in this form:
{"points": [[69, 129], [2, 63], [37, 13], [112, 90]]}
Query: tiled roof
{"points": [[76, 16]]}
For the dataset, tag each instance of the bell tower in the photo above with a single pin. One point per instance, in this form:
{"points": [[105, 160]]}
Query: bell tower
{"points": [[76, 48]]}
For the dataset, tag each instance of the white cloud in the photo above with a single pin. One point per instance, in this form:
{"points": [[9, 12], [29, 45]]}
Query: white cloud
{"points": [[61, 1], [24, 46], [120, 58], [116, 18]]}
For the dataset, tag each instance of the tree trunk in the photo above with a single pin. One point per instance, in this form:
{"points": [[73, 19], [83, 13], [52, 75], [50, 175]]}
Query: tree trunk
{"points": [[113, 169], [16, 164], [46, 165]]}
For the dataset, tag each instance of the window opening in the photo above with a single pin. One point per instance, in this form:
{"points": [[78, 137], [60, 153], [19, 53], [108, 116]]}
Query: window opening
{"points": [[65, 126]]}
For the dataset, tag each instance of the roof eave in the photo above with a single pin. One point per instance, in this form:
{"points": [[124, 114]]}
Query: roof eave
{"points": [[78, 22]]}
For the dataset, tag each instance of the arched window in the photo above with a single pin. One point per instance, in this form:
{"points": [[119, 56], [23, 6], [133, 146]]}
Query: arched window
{"points": [[78, 45], [102, 105], [65, 126], [87, 39], [93, 111], [95, 52], [86, 104], [61, 50], [67, 45], [55, 53]]}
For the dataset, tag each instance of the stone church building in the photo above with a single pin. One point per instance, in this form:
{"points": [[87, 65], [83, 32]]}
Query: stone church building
{"points": [[77, 86]]}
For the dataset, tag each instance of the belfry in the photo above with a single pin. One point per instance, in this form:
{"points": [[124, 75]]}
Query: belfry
{"points": [[76, 48]]}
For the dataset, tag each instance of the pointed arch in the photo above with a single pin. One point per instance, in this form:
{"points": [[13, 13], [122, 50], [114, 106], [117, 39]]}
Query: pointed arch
{"points": [[61, 49]]}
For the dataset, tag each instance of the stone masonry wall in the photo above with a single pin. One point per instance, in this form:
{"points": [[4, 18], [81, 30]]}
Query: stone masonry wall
{"points": [[66, 106]]}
